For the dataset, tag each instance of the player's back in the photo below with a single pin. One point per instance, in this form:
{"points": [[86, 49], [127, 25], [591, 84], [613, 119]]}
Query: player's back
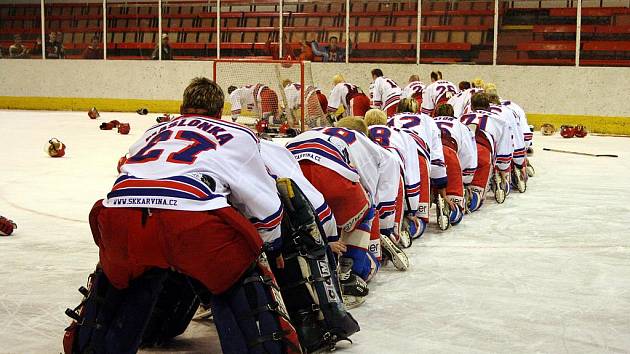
{"points": [[437, 92], [413, 89], [385, 92], [419, 123], [461, 101], [496, 130], [341, 94], [190, 161]]}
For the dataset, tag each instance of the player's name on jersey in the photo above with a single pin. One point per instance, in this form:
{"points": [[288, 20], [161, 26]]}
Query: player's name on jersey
{"points": [[204, 124], [308, 155]]}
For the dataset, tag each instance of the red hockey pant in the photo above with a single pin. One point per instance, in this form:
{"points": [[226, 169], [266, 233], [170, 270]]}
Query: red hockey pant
{"points": [[484, 167], [215, 247], [425, 188], [455, 185], [359, 105]]}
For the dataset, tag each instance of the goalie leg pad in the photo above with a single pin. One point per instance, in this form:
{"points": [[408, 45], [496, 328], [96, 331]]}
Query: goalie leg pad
{"points": [[175, 307], [111, 320], [251, 316], [308, 282]]}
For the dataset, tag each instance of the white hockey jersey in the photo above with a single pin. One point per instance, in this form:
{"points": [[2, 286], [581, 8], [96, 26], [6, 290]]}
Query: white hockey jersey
{"points": [[385, 93], [437, 92], [413, 89], [522, 120], [355, 157], [497, 131], [247, 96], [404, 148], [281, 163], [342, 94], [426, 129], [461, 101], [518, 141], [466, 146], [198, 163]]}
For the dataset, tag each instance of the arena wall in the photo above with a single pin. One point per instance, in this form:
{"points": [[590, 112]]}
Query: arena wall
{"points": [[596, 97]]}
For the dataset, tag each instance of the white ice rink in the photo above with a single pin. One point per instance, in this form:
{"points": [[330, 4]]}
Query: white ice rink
{"points": [[546, 272]]}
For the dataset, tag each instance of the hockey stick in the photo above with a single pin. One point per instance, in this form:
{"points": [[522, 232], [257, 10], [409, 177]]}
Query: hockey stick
{"points": [[580, 153]]}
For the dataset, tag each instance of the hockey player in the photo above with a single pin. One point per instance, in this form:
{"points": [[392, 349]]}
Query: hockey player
{"points": [[519, 153], [351, 97], [309, 280], [404, 148], [460, 154], [432, 168], [6, 226], [353, 175], [316, 104], [494, 151], [181, 203], [385, 93], [259, 98], [436, 93], [414, 89], [461, 101]]}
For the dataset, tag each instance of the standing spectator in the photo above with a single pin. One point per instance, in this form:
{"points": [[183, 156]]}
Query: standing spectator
{"points": [[52, 47], [18, 50], [36, 52], [62, 50], [331, 53], [93, 51], [167, 52]]}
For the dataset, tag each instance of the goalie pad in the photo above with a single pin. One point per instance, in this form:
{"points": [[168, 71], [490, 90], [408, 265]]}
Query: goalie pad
{"points": [[251, 316], [308, 281], [111, 320], [176, 305]]}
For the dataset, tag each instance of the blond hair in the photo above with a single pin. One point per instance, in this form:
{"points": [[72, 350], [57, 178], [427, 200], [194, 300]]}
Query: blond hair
{"points": [[478, 82], [490, 88], [353, 123], [407, 105], [375, 117], [337, 79]]}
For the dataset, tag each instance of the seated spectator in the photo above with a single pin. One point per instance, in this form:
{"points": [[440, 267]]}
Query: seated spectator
{"points": [[167, 52], [36, 52], [17, 50], [273, 49], [93, 51], [62, 50], [307, 51], [332, 52]]}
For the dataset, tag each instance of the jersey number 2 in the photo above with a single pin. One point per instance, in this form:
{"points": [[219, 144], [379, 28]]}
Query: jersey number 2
{"points": [[187, 155]]}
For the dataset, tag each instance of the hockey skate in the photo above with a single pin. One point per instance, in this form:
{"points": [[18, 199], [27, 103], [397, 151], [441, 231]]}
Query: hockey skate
{"points": [[443, 211], [394, 253], [204, 312], [519, 179], [353, 288], [406, 233], [531, 172], [499, 186]]}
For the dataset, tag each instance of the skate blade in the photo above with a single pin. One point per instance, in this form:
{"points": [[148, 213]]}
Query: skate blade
{"points": [[443, 218], [396, 255], [351, 302], [202, 314], [405, 239], [499, 196]]}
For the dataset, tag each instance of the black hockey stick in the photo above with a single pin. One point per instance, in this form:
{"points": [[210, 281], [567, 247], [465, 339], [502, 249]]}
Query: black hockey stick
{"points": [[580, 153]]}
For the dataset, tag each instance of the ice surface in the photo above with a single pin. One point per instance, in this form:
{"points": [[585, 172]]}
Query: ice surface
{"points": [[548, 271]]}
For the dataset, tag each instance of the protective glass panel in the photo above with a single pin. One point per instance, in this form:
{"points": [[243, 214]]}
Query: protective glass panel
{"points": [[74, 30], [537, 33], [250, 29], [605, 36], [20, 30], [132, 29], [457, 31], [383, 31], [189, 30]]}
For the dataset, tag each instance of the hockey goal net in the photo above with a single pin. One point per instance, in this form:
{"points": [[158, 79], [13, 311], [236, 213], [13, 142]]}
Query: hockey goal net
{"points": [[276, 90]]}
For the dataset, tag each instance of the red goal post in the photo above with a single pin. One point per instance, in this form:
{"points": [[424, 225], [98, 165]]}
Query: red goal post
{"points": [[284, 103]]}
